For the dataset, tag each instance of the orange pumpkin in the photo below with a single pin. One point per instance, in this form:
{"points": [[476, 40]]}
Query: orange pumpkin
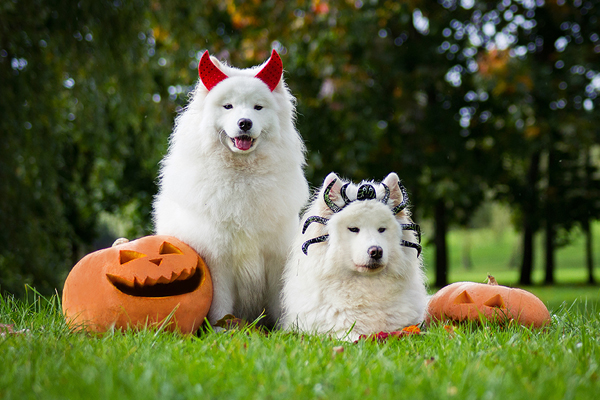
{"points": [[137, 284], [471, 301]]}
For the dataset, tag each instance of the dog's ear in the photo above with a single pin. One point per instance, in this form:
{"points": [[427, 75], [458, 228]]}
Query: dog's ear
{"points": [[209, 73], [396, 194], [272, 71], [330, 200]]}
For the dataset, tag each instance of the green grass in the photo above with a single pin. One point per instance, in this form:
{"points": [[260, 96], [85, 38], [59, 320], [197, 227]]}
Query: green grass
{"points": [[49, 362]]}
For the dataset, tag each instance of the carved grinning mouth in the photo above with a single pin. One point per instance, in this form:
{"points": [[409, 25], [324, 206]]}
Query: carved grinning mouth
{"points": [[172, 286], [155, 283], [243, 142]]}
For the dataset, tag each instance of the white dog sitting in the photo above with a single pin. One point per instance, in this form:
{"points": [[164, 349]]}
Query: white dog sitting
{"points": [[356, 267], [232, 184]]}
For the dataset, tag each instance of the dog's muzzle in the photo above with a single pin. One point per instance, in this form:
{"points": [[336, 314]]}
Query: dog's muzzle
{"points": [[243, 142]]}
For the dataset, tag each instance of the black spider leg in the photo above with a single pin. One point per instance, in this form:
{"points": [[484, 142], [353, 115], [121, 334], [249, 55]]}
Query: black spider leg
{"points": [[412, 245], [386, 197], [334, 207], [314, 218], [412, 227], [318, 239], [404, 201], [343, 193]]}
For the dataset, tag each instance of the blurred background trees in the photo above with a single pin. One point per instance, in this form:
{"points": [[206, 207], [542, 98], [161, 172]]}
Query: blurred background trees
{"points": [[468, 101]]}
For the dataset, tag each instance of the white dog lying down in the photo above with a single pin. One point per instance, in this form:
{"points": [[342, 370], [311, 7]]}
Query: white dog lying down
{"points": [[356, 267], [233, 184]]}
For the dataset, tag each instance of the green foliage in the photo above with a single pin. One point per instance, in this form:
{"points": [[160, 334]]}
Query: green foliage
{"points": [[86, 114], [461, 99], [471, 362]]}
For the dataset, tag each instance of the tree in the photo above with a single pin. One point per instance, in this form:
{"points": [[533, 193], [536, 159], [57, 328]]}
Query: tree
{"points": [[79, 131], [466, 100], [538, 65]]}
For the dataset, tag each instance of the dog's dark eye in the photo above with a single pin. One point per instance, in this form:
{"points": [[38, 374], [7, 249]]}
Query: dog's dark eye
{"points": [[353, 229], [257, 107], [381, 230], [228, 106]]}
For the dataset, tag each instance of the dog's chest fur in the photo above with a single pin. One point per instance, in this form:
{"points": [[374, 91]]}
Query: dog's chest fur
{"points": [[370, 303]]}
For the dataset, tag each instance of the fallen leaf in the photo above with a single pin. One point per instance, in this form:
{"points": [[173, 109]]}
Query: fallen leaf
{"points": [[338, 349], [229, 322], [9, 329], [450, 330], [383, 336], [412, 329]]}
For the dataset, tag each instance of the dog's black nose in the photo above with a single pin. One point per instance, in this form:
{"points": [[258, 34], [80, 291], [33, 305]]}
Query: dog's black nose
{"points": [[245, 124], [375, 252]]}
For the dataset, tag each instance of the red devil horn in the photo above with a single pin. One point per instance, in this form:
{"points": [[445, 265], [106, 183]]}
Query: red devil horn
{"points": [[271, 72], [209, 73]]}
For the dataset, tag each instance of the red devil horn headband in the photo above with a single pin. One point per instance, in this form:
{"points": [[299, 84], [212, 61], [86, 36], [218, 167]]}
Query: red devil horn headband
{"points": [[269, 74], [209, 73]]}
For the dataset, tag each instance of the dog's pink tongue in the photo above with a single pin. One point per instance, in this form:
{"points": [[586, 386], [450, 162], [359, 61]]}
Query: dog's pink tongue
{"points": [[243, 143]]}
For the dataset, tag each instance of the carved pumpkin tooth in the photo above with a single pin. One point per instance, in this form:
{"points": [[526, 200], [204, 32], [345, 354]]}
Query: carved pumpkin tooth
{"points": [[119, 280], [163, 279], [149, 282], [183, 275]]}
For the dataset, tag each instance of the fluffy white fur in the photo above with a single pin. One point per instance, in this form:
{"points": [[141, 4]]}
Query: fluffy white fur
{"points": [[238, 209], [337, 288]]}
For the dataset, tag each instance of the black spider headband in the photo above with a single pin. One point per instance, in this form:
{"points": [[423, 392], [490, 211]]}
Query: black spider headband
{"points": [[365, 192]]}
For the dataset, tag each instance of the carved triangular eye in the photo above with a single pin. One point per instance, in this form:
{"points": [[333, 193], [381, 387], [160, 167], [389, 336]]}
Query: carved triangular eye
{"points": [[168, 248], [128, 255], [463, 298], [496, 301]]}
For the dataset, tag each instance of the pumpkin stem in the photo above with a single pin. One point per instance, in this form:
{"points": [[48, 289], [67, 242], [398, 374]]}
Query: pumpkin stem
{"points": [[492, 281]]}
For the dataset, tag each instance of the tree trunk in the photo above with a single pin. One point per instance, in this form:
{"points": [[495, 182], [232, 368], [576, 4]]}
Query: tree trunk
{"points": [[530, 205], [586, 225], [441, 250], [550, 261], [527, 262], [550, 210], [589, 252]]}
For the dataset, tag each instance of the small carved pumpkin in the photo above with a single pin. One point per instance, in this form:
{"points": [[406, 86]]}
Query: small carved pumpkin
{"points": [[139, 283], [471, 301]]}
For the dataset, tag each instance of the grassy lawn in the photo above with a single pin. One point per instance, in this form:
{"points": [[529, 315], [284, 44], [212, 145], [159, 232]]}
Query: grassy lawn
{"points": [[42, 359], [46, 361]]}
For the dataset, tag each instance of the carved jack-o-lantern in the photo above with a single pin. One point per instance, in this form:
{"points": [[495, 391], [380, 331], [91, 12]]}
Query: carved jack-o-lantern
{"points": [[139, 283], [471, 301]]}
